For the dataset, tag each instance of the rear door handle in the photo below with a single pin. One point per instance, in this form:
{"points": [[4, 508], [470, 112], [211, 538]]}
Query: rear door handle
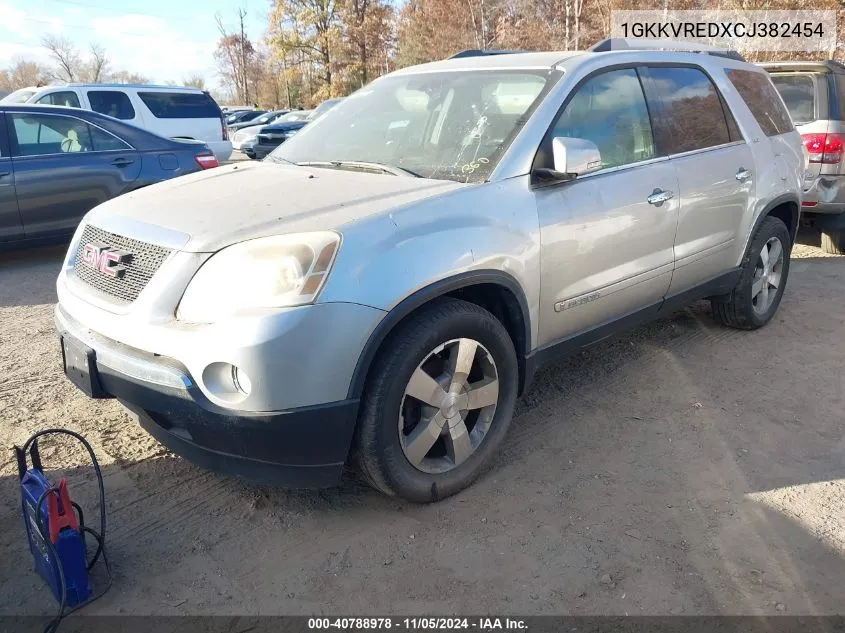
{"points": [[743, 174], [122, 162], [659, 196]]}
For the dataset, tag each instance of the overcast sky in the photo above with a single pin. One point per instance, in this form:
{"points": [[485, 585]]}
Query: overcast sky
{"points": [[161, 39]]}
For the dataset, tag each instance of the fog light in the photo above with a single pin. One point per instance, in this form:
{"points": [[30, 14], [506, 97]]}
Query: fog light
{"points": [[226, 382], [241, 380]]}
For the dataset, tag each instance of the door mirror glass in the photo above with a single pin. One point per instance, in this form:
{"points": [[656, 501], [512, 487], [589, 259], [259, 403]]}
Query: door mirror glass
{"points": [[575, 156]]}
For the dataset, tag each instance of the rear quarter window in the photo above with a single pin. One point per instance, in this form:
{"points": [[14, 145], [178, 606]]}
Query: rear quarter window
{"points": [[180, 105], [762, 99], [799, 94]]}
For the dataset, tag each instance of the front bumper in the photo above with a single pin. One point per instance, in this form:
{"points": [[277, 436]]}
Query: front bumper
{"points": [[303, 447]]}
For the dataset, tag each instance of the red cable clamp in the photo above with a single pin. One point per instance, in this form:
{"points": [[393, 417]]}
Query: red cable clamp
{"points": [[60, 512]]}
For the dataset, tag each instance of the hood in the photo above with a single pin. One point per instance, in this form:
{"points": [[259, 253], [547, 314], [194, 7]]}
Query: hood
{"points": [[209, 210]]}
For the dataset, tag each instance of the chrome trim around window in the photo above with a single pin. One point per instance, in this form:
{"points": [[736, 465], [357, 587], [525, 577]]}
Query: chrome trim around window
{"points": [[707, 149], [91, 153], [618, 168], [650, 161]]}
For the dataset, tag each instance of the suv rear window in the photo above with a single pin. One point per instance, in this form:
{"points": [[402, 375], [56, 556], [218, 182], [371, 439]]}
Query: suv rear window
{"points": [[180, 105], [762, 99], [799, 94]]}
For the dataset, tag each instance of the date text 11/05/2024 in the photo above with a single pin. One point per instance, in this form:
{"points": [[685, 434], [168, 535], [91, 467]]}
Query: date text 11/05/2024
{"points": [[418, 624]]}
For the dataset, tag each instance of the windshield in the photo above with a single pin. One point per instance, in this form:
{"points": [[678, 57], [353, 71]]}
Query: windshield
{"points": [[448, 125], [18, 96], [264, 118], [296, 115]]}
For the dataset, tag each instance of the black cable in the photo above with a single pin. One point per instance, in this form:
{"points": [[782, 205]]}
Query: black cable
{"points": [[100, 537], [53, 624]]}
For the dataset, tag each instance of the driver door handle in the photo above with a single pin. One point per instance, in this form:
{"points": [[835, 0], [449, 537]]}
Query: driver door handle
{"points": [[743, 174], [659, 196]]}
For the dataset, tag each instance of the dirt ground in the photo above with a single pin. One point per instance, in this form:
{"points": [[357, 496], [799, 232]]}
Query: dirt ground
{"points": [[681, 469]]}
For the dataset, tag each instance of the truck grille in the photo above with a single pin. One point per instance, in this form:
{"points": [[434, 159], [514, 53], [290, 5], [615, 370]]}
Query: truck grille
{"points": [[140, 262]]}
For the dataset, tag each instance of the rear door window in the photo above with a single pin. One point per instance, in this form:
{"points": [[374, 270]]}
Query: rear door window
{"points": [[693, 116], [180, 105], [762, 99], [66, 98], [799, 94], [112, 103]]}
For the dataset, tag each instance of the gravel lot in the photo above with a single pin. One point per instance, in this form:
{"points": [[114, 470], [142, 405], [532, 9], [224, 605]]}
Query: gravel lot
{"points": [[682, 468]]}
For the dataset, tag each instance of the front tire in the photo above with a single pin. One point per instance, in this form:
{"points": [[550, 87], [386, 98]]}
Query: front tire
{"points": [[438, 402], [765, 268], [833, 242]]}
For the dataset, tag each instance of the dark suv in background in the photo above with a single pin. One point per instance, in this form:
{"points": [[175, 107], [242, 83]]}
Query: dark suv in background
{"points": [[814, 93]]}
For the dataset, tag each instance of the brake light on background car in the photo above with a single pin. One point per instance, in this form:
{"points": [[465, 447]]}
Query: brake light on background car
{"points": [[206, 161], [826, 149], [224, 129]]}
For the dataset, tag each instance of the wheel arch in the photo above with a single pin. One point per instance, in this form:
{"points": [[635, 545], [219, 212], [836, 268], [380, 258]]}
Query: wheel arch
{"points": [[494, 290], [787, 208]]}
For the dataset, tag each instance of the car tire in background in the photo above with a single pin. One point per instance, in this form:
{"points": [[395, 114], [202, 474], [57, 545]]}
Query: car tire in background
{"points": [[438, 402], [833, 242], [765, 269]]}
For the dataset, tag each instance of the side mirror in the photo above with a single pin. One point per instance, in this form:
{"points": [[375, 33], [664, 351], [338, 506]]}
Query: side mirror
{"points": [[575, 156], [572, 157]]}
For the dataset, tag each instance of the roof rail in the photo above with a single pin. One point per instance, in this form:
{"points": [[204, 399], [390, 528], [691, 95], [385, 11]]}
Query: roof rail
{"points": [[77, 84], [475, 52], [621, 44]]}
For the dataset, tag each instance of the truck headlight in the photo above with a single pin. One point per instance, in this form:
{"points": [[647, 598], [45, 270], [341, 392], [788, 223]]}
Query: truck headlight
{"points": [[268, 272]]}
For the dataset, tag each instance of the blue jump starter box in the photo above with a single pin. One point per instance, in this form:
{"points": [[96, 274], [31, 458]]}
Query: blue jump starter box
{"points": [[55, 537]]}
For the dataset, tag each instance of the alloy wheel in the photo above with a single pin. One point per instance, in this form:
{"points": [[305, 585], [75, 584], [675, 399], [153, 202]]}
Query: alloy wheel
{"points": [[448, 405], [767, 275]]}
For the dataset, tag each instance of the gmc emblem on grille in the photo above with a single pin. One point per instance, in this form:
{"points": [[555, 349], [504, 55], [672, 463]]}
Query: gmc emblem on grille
{"points": [[106, 259]]}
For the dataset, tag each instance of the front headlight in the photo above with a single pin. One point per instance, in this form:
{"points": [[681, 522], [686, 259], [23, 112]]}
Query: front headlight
{"points": [[268, 272]]}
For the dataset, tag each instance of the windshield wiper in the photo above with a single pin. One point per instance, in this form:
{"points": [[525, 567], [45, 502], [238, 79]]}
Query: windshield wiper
{"points": [[360, 165]]}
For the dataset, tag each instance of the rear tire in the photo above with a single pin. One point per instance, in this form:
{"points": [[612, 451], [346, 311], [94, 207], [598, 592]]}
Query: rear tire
{"points": [[437, 403], [765, 269], [833, 242]]}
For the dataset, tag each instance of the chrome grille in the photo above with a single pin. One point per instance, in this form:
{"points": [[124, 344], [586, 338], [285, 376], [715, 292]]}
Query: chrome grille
{"points": [[142, 263]]}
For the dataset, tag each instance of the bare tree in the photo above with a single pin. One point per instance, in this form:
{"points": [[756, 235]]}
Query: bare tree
{"points": [[68, 61], [98, 64], [126, 77], [195, 81], [22, 73], [235, 57]]}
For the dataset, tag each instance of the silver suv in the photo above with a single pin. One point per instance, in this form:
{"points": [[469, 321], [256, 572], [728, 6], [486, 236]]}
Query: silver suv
{"points": [[385, 284], [814, 93]]}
